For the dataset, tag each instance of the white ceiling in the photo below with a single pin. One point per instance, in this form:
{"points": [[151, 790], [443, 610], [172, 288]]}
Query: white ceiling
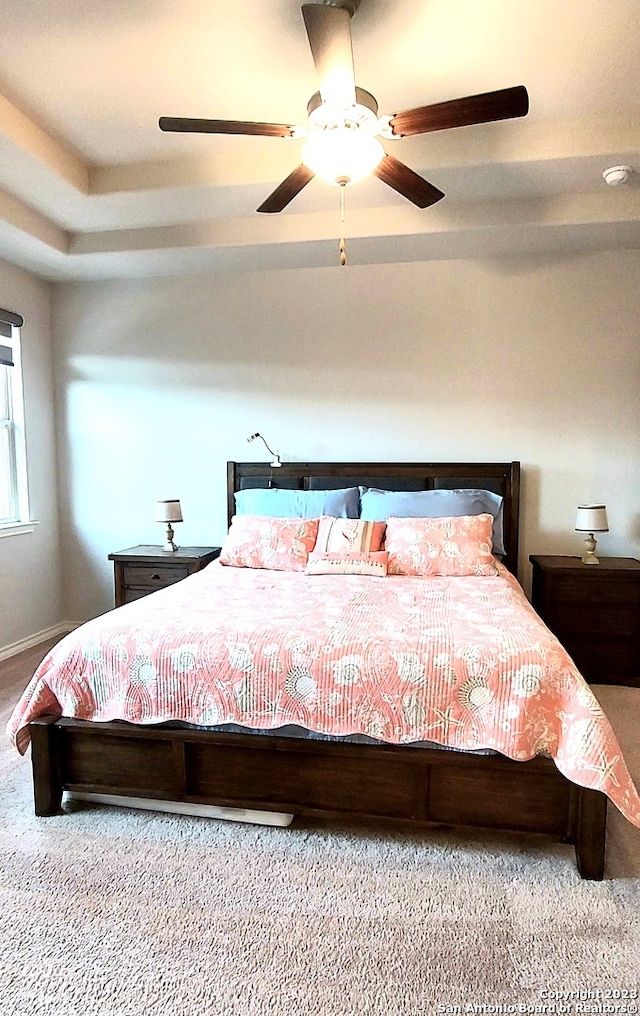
{"points": [[91, 188]]}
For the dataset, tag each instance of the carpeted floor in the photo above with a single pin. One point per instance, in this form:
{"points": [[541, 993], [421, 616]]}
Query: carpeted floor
{"points": [[113, 912]]}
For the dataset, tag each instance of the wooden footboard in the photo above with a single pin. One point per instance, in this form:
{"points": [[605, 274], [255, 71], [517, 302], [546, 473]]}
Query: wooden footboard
{"points": [[316, 778]]}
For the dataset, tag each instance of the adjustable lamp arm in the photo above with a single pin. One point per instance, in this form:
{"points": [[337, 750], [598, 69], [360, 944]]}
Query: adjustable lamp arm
{"points": [[276, 457]]}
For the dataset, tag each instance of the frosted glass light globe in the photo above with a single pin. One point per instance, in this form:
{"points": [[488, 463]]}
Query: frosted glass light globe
{"points": [[342, 155]]}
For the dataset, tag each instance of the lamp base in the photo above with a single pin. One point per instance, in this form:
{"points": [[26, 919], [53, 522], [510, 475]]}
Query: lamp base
{"points": [[589, 555], [169, 545]]}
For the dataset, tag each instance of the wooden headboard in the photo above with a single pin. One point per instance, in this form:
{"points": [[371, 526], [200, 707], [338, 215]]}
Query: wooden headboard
{"points": [[500, 477]]}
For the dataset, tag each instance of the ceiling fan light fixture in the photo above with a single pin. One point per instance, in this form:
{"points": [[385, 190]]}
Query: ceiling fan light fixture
{"points": [[342, 156], [343, 121]]}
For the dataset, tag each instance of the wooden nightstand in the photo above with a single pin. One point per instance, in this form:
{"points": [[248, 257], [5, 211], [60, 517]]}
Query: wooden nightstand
{"points": [[595, 612], [141, 570]]}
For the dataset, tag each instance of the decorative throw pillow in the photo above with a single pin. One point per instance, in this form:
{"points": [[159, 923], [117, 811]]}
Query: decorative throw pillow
{"points": [[338, 535], [348, 563], [460, 545], [257, 541]]}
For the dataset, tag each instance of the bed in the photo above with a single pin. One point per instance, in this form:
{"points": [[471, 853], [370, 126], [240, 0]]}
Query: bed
{"points": [[193, 764]]}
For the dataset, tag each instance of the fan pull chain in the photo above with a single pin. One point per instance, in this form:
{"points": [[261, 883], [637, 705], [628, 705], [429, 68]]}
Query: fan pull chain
{"points": [[342, 246]]}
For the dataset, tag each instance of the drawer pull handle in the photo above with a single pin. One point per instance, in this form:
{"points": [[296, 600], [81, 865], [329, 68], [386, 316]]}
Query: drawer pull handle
{"points": [[156, 577]]}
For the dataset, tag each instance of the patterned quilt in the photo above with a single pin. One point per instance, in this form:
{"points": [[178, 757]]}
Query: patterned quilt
{"points": [[463, 661]]}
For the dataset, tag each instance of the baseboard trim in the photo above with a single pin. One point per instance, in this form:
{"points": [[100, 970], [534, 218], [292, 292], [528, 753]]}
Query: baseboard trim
{"points": [[33, 640]]}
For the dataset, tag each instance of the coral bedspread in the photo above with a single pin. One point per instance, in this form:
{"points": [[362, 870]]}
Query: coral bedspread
{"points": [[461, 661]]}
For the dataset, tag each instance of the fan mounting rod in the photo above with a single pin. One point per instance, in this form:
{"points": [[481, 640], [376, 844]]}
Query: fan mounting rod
{"points": [[347, 5]]}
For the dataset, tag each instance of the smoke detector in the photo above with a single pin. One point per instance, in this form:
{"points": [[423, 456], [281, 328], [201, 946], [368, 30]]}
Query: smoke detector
{"points": [[616, 175]]}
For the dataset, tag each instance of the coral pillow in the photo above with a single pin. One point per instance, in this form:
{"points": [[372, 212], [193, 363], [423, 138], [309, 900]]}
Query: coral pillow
{"points": [[460, 545], [258, 541], [348, 563], [336, 535]]}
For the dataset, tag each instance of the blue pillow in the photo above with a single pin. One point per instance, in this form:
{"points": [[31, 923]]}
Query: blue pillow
{"points": [[378, 505], [281, 502]]}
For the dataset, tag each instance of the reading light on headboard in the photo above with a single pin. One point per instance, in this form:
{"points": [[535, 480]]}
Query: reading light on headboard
{"points": [[276, 457]]}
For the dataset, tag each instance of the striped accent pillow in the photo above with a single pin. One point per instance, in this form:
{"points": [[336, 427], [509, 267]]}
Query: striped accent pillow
{"points": [[337, 536]]}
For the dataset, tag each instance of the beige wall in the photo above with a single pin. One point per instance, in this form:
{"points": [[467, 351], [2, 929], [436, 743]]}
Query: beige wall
{"points": [[30, 573], [162, 380]]}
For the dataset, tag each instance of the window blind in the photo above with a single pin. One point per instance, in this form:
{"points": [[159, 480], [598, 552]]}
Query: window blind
{"points": [[8, 320]]}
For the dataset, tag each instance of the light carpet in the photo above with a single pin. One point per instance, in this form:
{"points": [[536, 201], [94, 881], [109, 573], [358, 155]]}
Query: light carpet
{"points": [[127, 913]]}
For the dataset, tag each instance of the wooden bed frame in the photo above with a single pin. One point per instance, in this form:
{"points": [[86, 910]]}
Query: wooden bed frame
{"points": [[286, 774]]}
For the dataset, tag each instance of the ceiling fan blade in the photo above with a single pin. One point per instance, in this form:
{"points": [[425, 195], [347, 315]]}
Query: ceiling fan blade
{"points": [[195, 126], [329, 33], [287, 190], [412, 186], [500, 105]]}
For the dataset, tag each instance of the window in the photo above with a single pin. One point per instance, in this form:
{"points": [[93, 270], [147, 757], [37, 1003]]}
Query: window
{"points": [[14, 506]]}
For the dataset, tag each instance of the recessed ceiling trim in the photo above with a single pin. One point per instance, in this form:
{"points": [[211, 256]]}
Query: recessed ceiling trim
{"points": [[28, 136]]}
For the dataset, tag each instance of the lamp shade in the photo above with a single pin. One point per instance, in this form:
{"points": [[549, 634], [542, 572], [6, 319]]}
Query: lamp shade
{"points": [[168, 511], [592, 518]]}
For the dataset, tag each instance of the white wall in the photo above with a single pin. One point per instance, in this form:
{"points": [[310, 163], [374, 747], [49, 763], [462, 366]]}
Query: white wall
{"points": [[30, 572], [162, 380]]}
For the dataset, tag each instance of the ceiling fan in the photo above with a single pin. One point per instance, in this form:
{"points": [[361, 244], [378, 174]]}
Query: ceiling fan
{"points": [[342, 131]]}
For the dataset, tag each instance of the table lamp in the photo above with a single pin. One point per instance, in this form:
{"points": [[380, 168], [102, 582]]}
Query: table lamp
{"points": [[169, 511], [591, 518]]}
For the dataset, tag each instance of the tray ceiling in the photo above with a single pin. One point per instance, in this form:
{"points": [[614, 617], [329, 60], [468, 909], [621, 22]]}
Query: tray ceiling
{"points": [[90, 188]]}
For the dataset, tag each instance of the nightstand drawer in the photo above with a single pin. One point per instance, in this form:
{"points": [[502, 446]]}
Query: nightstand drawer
{"points": [[152, 576], [592, 590], [129, 595], [603, 620], [604, 660]]}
